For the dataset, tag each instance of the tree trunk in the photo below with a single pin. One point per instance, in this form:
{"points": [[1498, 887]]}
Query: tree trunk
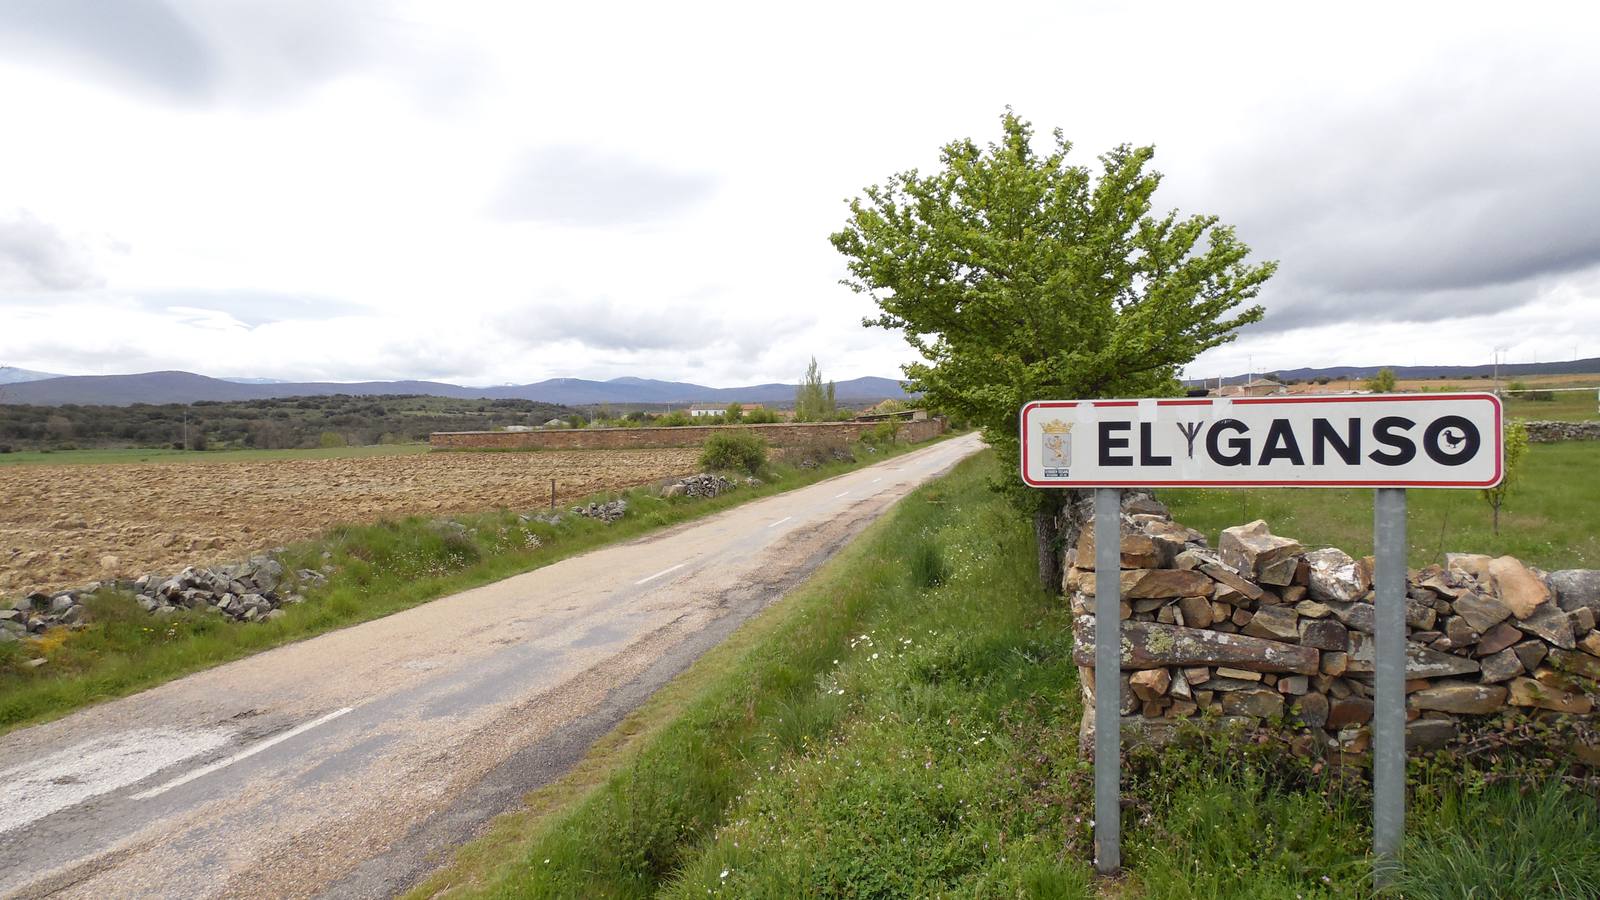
{"points": [[1047, 532]]}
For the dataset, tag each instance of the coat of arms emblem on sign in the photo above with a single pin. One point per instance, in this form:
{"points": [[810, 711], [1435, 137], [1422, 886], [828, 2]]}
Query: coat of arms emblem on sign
{"points": [[1056, 448]]}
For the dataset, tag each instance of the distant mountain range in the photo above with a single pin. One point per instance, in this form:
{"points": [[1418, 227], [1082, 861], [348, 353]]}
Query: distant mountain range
{"points": [[10, 375], [1341, 373], [187, 387]]}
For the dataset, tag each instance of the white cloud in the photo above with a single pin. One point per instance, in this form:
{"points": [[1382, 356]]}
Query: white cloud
{"points": [[485, 193]]}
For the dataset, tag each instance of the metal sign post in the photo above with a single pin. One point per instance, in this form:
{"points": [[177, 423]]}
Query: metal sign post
{"points": [[1386, 442], [1107, 680], [1389, 682]]}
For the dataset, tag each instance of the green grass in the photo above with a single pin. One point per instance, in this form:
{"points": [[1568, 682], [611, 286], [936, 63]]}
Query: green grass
{"points": [[102, 457], [381, 568], [1551, 519], [904, 724], [869, 736], [1564, 406]]}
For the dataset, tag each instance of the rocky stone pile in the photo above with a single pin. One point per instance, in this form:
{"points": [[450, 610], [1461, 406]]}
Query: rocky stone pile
{"points": [[1261, 628], [702, 485], [605, 512], [250, 591], [1547, 432]]}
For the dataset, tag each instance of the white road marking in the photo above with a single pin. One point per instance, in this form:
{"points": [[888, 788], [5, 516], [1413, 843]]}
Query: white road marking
{"points": [[36, 789], [780, 521], [660, 573], [837, 496], [876, 480], [241, 755]]}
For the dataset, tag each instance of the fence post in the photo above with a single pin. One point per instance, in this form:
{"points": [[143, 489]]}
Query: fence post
{"points": [[1107, 680], [552, 493]]}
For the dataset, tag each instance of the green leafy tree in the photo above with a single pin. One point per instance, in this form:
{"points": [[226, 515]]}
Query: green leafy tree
{"points": [[734, 414], [813, 400], [1383, 382], [1017, 276], [1516, 449]]}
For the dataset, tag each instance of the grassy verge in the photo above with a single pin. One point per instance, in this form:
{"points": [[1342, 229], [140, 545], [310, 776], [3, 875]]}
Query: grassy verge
{"points": [[905, 725], [1551, 519], [378, 569], [158, 455]]}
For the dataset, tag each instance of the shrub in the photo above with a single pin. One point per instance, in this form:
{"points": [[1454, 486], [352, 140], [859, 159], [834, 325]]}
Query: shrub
{"points": [[762, 416], [815, 451], [332, 439], [1542, 396], [881, 434], [734, 451]]}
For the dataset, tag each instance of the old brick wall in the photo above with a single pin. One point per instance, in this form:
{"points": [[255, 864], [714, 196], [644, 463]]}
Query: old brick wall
{"points": [[779, 435]]}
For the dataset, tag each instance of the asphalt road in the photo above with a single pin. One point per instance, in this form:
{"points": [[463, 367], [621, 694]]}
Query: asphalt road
{"points": [[349, 765]]}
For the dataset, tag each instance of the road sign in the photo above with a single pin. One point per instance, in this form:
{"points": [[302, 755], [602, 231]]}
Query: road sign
{"points": [[1402, 440], [1389, 442]]}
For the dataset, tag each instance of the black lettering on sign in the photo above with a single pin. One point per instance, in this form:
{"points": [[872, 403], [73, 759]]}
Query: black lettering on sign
{"points": [[1281, 444], [1191, 430], [1146, 439], [1108, 443], [1239, 445], [1385, 433], [1323, 436], [1451, 440]]}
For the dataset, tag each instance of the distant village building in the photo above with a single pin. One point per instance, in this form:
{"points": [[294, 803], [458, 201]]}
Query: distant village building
{"points": [[1259, 387], [696, 412]]}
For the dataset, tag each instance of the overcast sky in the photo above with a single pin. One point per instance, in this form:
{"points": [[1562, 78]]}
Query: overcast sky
{"points": [[491, 192]]}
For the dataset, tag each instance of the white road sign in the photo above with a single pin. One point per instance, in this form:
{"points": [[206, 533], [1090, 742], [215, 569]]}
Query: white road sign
{"points": [[1383, 440]]}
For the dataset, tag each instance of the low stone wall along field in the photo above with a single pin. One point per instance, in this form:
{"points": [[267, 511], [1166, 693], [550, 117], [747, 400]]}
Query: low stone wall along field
{"points": [[1262, 628], [62, 526], [684, 436]]}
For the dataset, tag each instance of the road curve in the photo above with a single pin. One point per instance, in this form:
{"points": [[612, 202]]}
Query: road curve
{"points": [[350, 764]]}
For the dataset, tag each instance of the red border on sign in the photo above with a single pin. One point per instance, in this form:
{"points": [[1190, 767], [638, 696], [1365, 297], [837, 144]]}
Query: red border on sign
{"points": [[1499, 437]]}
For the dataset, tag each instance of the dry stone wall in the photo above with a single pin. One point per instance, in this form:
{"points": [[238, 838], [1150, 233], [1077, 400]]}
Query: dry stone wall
{"points": [[1262, 628], [1548, 432], [776, 435]]}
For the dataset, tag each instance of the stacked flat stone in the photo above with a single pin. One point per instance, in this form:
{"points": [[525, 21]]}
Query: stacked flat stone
{"points": [[1548, 432], [1260, 628], [251, 591], [605, 512], [701, 485]]}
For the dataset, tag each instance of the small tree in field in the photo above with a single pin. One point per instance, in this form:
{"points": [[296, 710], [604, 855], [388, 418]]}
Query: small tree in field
{"points": [[734, 414], [1383, 382], [1516, 449], [813, 400], [1017, 276]]}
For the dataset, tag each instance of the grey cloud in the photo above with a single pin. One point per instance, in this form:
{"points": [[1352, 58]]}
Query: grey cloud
{"points": [[604, 324], [36, 256], [567, 185], [199, 52], [252, 307], [1460, 199], [142, 41]]}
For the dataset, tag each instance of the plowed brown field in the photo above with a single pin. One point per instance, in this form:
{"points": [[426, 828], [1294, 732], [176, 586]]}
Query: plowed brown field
{"points": [[58, 522]]}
